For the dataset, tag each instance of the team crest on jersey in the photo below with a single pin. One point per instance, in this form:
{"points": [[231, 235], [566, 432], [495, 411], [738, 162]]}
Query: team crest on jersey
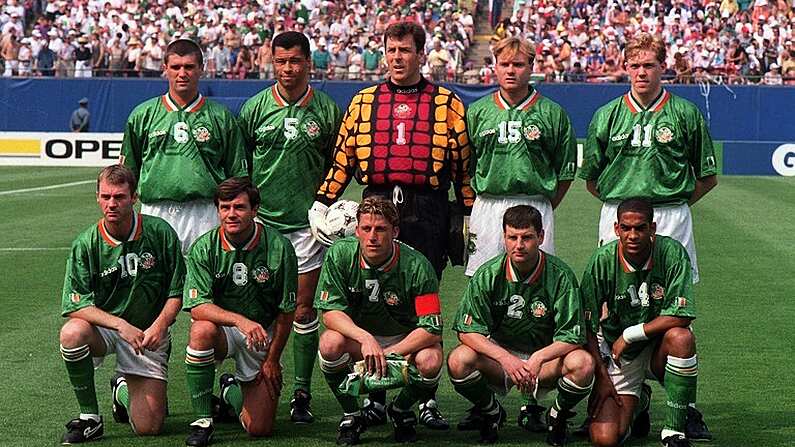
{"points": [[402, 111], [147, 261], [261, 274], [391, 299], [664, 134], [538, 309], [201, 134], [312, 129], [532, 132], [657, 291], [74, 297]]}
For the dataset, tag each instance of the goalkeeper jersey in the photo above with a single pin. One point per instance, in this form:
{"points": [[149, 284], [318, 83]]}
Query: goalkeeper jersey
{"points": [[394, 298], [524, 149], [410, 136], [182, 154], [257, 280], [657, 152], [290, 146], [130, 278], [523, 314], [636, 294]]}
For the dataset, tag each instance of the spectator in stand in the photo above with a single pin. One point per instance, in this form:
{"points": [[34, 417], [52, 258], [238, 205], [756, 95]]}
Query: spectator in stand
{"points": [[773, 77], [265, 60], [132, 56], [82, 58], [25, 58], [9, 51], [45, 61], [372, 58], [321, 59], [116, 60], [437, 60], [577, 74], [486, 73], [340, 58], [245, 63], [682, 68]]}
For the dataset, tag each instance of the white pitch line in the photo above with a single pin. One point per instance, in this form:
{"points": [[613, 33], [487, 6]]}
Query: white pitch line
{"points": [[34, 249], [44, 188]]}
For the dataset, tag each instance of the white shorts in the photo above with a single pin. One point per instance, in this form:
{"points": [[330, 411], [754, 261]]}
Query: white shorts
{"points": [[247, 361], [189, 219], [485, 226], [673, 221], [150, 364], [539, 392], [307, 249], [386, 341], [629, 377]]}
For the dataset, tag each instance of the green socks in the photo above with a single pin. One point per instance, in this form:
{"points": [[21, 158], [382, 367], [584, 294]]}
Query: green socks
{"points": [[680, 382], [335, 372], [305, 344], [200, 374], [80, 369]]}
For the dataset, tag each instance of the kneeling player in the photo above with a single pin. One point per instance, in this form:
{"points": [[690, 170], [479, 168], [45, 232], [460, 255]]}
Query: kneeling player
{"points": [[643, 283], [379, 296], [520, 323], [240, 290], [121, 293]]}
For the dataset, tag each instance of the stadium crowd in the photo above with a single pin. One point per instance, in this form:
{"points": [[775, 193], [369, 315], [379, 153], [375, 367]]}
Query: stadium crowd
{"points": [[576, 40]]}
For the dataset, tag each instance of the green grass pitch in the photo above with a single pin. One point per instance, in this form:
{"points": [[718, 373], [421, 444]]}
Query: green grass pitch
{"points": [[745, 233]]}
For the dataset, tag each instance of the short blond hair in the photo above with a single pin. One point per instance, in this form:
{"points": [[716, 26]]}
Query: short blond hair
{"points": [[645, 42], [513, 45], [377, 206]]}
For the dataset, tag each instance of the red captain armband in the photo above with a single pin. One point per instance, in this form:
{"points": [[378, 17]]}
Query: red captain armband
{"points": [[427, 304]]}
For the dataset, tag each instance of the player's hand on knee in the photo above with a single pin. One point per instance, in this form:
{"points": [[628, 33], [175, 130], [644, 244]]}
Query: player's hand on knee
{"points": [[619, 346], [374, 358], [317, 223], [271, 376], [603, 391], [133, 336], [154, 336], [256, 337]]}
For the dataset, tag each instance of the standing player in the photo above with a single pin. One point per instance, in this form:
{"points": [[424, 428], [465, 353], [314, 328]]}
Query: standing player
{"points": [[121, 293], [406, 139], [651, 143], [240, 290], [181, 146], [379, 296], [644, 282], [289, 130], [523, 149], [520, 322]]}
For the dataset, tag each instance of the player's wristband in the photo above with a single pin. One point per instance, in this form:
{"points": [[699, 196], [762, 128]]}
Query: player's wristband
{"points": [[635, 333]]}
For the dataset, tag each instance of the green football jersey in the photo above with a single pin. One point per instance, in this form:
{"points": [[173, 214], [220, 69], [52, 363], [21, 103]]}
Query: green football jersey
{"points": [[182, 154], [524, 149], [291, 148], [131, 279], [258, 280], [657, 152], [395, 298], [523, 314], [630, 294]]}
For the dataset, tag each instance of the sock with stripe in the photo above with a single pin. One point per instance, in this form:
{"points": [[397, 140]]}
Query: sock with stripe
{"points": [[335, 372], [305, 344], [123, 395], [475, 389], [200, 374], [680, 382], [570, 394], [416, 390], [233, 395], [80, 369]]}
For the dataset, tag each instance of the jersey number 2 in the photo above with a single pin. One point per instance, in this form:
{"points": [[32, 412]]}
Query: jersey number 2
{"points": [[515, 309]]}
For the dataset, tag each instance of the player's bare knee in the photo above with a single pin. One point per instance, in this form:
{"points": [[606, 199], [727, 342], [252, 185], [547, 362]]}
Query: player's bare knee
{"points": [[429, 362], [75, 332], [461, 361], [151, 425], [604, 435], [202, 334], [580, 366], [680, 341], [332, 344], [259, 429]]}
